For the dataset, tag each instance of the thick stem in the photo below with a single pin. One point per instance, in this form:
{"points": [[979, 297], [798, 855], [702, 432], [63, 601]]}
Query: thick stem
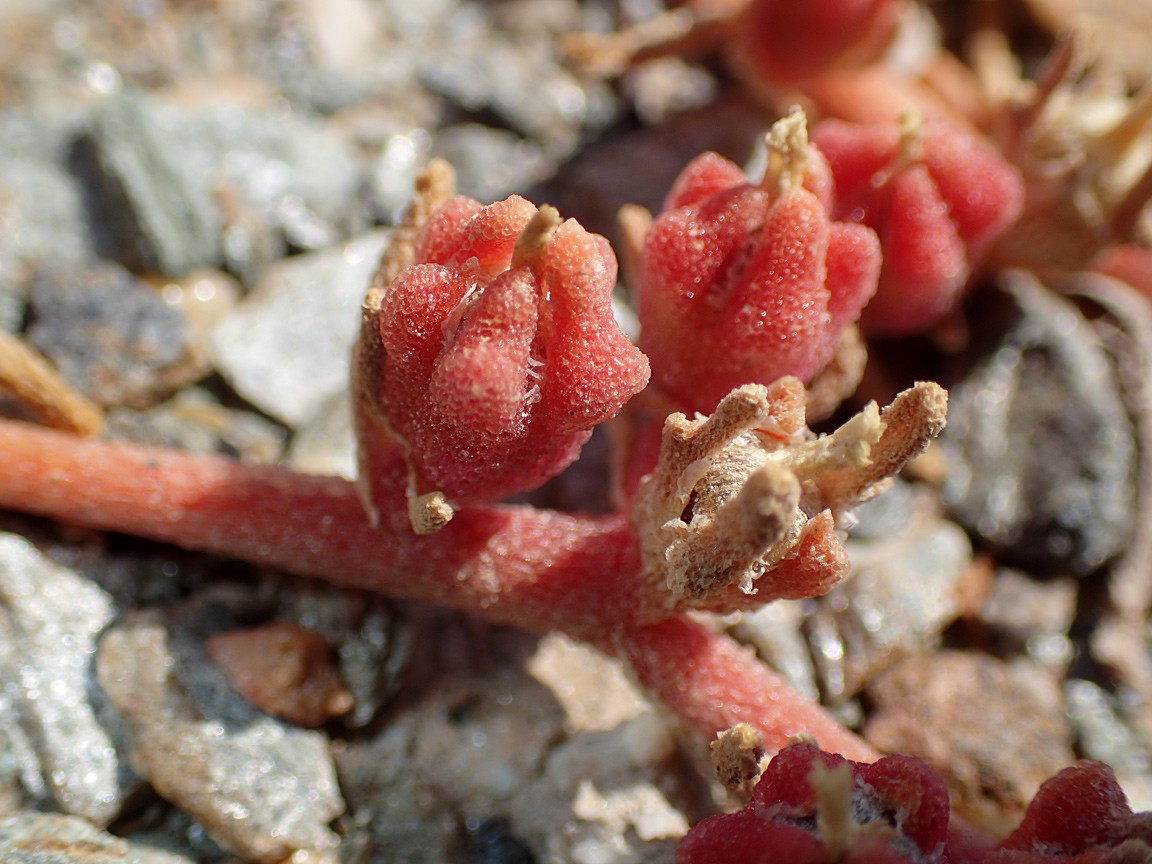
{"points": [[534, 569], [713, 684]]}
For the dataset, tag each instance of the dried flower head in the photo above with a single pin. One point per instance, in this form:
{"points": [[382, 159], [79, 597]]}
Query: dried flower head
{"points": [[742, 505]]}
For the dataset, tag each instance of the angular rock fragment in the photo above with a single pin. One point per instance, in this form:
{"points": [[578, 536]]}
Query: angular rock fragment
{"points": [[156, 218], [1040, 446], [902, 591], [46, 838], [262, 790], [286, 347], [42, 209], [50, 619], [111, 336], [962, 713], [284, 670]]}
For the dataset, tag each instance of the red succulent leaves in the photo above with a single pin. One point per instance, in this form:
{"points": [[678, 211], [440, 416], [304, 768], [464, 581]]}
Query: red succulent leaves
{"points": [[1080, 815], [812, 806], [899, 812], [938, 196], [787, 42], [501, 352], [745, 284]]}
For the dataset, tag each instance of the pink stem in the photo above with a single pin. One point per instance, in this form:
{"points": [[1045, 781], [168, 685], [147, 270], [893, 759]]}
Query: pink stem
{"points": [[534, 569], [537, 570], [712, 683]]}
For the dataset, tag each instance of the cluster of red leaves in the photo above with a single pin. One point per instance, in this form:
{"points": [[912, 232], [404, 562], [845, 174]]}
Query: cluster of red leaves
{"points": [[761, 281], [939, 197], [895, 811], [499, 358]]}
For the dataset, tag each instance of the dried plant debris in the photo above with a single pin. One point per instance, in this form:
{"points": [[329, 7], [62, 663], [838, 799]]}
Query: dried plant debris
{"points": [[1125, 27], [1084, 147], [1039, 444], [736, 754], [735, 494]]}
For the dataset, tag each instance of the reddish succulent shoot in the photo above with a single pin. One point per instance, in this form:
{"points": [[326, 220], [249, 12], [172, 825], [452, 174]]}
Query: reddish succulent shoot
{"points": [[811, 807], [786, 43], [745, 283], [487, 352], [1080, 814], [496, 352], [939, 198], [814, 806]]}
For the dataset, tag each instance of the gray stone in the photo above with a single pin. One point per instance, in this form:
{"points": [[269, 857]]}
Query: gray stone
{"points": [[1032, 615], [639, 166], [393, 173], [194, 421], [901, 592], [1040, 447], [42, 212], [50, 619], [111, 335], [284, 165], [520, 80], [286, 348], [262, 789], [42, 219], [397, 812], [156, 216], [325, 445], [491, 164], [415, 20], [45, 838]]}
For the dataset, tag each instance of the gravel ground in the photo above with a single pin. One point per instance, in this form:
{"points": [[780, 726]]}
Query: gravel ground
{"points": [[193, 198]]}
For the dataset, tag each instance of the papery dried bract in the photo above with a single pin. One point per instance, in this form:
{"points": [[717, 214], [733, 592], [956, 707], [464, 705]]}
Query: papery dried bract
{"points": [[741, 507]]}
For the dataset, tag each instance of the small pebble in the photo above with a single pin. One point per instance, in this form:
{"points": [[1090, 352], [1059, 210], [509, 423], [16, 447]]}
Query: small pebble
{"points": [[286, 348], [111, 335], [963, 714], [48, 838], [284, 670], [263, 790], [57, 734], [1040, 447]]}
